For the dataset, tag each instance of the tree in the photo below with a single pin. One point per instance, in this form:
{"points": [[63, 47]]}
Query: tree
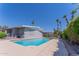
{"points": [[55, 33], [73, 13], [72, 30], [2, 35], [65, 17], [0, 27], [4, 28], [60, 25], [57, 21], [33, 22]]}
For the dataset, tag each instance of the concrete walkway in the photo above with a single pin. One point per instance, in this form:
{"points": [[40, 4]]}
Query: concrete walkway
{"points": [[54, 47], [8, 48]]}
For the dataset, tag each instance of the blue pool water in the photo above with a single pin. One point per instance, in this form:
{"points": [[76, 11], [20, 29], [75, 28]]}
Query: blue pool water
{"points": [[31, 42]]}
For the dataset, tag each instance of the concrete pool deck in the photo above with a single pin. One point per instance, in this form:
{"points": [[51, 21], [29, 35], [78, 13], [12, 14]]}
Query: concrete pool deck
{"points": [[8, 48]]}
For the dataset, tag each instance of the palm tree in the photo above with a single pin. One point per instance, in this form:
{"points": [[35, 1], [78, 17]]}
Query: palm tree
{"points": [[73, 13], [0, 27], [5, 27], [58, 27], [33, 22], [65, 17], [57, 20], [60, 24]]}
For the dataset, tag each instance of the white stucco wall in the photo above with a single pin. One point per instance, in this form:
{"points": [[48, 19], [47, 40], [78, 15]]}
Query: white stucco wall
{"points": [[32, 34]]}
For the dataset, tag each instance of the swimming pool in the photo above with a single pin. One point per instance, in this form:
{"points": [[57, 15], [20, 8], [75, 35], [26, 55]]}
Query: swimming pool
{"points": [[32, 42]]}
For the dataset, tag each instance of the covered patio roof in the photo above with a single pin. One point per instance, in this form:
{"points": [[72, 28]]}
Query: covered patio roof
{"points": [[27, 26]]}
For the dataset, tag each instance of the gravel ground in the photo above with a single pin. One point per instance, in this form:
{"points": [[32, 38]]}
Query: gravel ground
{"points": [[62, 51], [70, 48]]}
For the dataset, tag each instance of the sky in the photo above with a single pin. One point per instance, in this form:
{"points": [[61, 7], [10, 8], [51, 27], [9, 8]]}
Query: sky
{"points": [[44, 15]]}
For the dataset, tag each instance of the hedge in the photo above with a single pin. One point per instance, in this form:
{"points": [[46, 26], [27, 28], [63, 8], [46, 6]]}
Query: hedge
{"points": [[72, 31], [2, 35]]}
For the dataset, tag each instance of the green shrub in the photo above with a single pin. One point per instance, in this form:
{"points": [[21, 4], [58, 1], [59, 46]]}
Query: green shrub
{"points": [[75, 27], [72, 31], [55, 33], [2, 35], [64, 35], [46, 35]]}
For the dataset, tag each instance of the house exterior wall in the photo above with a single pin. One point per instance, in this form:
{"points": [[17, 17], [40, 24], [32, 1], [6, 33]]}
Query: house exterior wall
{"points": [[15, 32], [20, 32], [32, 34], [24, 32]]}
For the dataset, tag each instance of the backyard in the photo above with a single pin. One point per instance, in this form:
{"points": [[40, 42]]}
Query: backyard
{"points": [[46, 33]]}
